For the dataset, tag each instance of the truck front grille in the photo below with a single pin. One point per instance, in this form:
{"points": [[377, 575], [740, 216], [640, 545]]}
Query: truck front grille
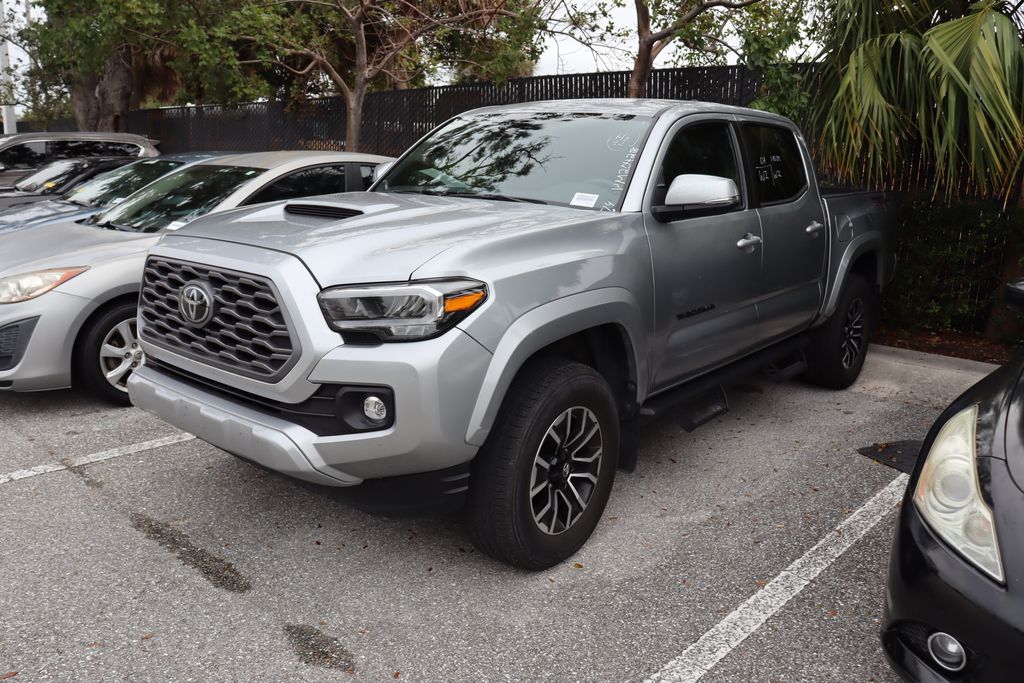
{"points": [[247, 333]]}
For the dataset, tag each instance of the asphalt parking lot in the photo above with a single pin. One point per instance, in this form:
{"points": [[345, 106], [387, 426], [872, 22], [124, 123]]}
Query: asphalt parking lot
{"points": [[129, 551]]}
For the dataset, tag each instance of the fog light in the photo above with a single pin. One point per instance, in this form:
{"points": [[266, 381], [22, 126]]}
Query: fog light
{"points": [[947, 651], [375, 409]]}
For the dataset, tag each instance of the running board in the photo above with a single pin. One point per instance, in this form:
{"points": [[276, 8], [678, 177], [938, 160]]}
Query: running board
{"points": [[702, 409], [787, 368], [703, 399]]}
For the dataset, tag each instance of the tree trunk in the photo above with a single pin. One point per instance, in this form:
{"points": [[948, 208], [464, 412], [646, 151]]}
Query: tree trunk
{"points": [[115, 92], [354, 114], [101, 101], [83, 100], [641, 71]]}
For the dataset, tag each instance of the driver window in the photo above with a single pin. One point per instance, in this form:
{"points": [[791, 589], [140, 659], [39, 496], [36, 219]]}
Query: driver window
{"points": [[704, 148]]}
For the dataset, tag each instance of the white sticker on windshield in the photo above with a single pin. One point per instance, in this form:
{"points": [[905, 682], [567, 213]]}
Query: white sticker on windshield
{"points": [[584, 199]]}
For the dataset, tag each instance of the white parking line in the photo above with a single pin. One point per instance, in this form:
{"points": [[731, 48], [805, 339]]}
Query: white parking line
{"points": [[724, 637], [95, 457]]}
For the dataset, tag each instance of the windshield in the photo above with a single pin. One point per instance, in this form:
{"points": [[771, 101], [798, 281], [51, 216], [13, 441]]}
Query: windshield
{"points": [[121, 182], [570, 159], [49, 178], [177, 198]]}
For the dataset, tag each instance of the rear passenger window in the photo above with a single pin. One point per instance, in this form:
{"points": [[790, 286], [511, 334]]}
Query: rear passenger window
{"points": [[777, 167], [71, 149], [25, 155], [121, 149], [308, 182]]}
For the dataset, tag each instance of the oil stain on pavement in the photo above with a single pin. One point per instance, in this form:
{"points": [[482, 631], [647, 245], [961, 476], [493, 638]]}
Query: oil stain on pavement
{"points": [[216, 570], [316, 648], [899, 455]]}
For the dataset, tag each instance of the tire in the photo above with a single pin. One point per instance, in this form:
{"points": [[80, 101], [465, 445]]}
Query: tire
{"points": [[105, 346], [547, 400], [838, 348]]}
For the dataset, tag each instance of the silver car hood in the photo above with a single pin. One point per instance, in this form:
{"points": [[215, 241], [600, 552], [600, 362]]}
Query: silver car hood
{"points": [[17, 216], [395, 235], [66, 244]]}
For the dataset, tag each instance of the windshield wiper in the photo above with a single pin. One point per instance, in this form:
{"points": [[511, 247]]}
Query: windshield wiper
{"points": [[492, 195], [111, 226]]}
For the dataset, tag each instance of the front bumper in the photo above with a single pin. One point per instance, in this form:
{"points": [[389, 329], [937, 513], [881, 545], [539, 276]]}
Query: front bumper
{"points": [[435, 385], [43, 360], [930, 589]]}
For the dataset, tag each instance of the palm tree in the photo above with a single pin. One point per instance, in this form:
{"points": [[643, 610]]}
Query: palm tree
{"points": [[939, 78]]}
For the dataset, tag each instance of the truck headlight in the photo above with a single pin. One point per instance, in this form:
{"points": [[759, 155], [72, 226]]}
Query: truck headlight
{"points": [[948, 495], [25, 286], [402, 312]]}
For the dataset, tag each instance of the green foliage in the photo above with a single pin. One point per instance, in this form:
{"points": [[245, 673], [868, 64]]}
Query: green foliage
{"points": [[508, 47], [945, 76], [949, 263], [776, 34]]}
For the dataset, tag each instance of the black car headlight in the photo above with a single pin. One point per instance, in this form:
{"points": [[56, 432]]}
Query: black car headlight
{"points": [[948, 495], [402, 312]]}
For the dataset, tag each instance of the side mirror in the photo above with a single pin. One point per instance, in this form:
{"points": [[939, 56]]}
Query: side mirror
{"points": [[380, 169], [693, 190], [1014, 295]]}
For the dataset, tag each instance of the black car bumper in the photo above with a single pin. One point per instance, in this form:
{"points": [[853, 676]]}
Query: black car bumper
{"points": [[932, 589]]}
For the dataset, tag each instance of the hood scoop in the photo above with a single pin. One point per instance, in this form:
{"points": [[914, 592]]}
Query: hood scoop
{"points": [[322, 211]]}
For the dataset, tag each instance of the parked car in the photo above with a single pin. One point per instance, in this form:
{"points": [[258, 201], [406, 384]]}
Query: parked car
{"points": [[22, 153], [69, 290], [96, 194], [954, 604], [58, 177], [509, 299]]}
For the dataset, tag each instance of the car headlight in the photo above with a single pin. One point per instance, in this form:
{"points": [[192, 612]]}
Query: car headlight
{"points": [[402, 312], [25, 286], [948, 495]]}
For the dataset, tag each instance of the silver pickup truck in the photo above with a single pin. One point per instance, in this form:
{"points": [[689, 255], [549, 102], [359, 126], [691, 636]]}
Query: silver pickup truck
{"points": [[518, 291]]}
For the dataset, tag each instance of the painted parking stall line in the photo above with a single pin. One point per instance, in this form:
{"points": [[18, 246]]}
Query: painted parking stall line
{"points": [[712, 647], [95, 457]]}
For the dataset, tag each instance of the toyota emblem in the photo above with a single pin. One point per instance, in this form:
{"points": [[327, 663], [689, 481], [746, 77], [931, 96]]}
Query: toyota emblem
{"points": [[195, 303]]}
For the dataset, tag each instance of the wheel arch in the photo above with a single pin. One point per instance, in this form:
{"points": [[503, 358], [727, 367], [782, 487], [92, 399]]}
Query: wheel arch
{"points": [[116, 297], [863, 256], [600, 328]]}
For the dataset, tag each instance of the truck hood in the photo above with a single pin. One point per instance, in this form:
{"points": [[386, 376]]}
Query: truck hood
{"points": [[65, 244], [391, 236]]}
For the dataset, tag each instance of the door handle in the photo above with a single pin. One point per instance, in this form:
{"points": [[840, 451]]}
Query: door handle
{"points": [[748, 242], [814, 228]]}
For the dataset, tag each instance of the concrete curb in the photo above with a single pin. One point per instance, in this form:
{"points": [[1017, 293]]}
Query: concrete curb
{"points": [[929, 360]]}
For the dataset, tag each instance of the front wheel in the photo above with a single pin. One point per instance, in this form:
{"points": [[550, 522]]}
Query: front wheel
{"points": [[541, 481], [107, 353], [838, 348]]}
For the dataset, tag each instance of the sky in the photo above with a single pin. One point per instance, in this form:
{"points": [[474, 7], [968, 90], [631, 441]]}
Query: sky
{"points": [[565, 56]]}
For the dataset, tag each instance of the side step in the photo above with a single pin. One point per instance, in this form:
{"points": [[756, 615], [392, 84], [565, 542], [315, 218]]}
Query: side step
{"points": [[703, 399], [702, 409], [787, 368]]}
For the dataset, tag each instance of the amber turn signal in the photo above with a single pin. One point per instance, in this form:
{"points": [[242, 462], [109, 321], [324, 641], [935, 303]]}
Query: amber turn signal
{"points": [[463, 302]]}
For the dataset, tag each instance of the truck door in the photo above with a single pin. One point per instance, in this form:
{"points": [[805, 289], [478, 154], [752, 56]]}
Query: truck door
{"points": [[793, 224], [707, 261]]}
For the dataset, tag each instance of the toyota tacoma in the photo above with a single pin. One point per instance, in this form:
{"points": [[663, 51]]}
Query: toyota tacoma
{"points": [[511, 297]]}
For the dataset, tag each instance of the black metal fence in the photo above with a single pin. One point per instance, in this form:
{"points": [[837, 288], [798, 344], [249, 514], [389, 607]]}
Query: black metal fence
{"points": [[393, 120]]}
